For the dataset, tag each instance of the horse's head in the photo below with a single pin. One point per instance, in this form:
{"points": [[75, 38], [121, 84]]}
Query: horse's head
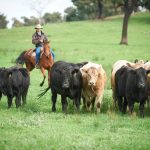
{"points": [[46, 48]]}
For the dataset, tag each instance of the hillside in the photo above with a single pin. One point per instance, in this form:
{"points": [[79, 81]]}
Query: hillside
{"points": [[36, 127]]}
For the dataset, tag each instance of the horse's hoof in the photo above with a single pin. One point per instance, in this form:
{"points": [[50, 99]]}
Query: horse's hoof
{"points": [[41, 84]]}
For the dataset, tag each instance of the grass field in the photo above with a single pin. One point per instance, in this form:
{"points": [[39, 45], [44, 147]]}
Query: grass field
{"points": [[36, 127]]}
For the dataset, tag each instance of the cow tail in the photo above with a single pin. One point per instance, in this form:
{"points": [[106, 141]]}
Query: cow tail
{"points": [[20, 59], [43, 93]]}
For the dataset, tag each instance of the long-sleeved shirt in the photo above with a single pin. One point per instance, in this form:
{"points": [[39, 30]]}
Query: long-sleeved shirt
{"points": [[38, 38]]}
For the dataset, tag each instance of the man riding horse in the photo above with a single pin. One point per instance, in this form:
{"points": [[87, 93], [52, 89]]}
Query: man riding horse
{"points": [[44, 59], [38, 38]]}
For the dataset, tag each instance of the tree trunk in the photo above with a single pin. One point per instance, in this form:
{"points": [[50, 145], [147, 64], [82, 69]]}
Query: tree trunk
{"points": [[128, 7], [124, 39], [100, 9]]}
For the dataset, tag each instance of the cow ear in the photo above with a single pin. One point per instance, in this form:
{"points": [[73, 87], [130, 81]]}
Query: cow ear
{"points": [[83, 71], [147, 71], [76, 70], [130, 65], [9, 74], [136, 60]]}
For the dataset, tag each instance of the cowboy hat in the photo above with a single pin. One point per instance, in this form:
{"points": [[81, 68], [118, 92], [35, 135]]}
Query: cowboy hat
{"points": [[38, 26]]}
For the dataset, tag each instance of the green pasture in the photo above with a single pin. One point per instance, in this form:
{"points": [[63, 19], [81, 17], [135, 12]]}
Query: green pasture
{"points": [[35, 127]]}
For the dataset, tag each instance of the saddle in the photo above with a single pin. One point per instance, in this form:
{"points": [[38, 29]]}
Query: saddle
{"points": [[32, 52]]}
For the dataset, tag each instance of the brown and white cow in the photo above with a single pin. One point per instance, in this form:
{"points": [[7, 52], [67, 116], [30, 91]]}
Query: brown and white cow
{"points": [[94, 79], [116, 66]]}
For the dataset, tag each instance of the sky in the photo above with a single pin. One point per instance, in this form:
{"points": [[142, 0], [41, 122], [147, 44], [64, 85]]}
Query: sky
{"points": [[18, 8]]}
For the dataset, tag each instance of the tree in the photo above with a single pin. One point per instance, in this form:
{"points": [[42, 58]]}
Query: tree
{"points": [[129, 6], [100, 8], [52, 17], [116, 4], [144, 3], [3, 21], [29, 21], [71, 14], [92, 9], [86, 9], [16, 23], [39, 6]]}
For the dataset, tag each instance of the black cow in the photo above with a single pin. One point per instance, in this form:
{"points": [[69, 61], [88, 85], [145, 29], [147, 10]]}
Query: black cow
{"points": [[14, 82], [131, 86], [66, 80]]}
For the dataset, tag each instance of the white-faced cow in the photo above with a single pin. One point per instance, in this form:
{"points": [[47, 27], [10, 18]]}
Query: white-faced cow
{"points": [[94, 78]]}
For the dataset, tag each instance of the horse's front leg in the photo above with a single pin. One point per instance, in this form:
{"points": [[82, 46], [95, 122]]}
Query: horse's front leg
{"points": [[44, 76]]}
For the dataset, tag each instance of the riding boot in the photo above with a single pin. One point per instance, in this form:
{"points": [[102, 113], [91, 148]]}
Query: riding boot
{"points": [[37, 66]]}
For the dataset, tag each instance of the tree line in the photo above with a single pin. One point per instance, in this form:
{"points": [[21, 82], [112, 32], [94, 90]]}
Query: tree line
{"points": [[84, 10]]}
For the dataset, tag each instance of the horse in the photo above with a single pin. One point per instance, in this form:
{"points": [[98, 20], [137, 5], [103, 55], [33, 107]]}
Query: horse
{"points": [[45, 63]]}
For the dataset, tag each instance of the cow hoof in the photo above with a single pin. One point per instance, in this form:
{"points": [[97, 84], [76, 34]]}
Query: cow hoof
{"points": [[53, 109], [142, 115]]}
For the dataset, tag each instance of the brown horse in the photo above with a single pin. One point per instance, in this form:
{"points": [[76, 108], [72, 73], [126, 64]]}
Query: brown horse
{"points": [[45, 63]]}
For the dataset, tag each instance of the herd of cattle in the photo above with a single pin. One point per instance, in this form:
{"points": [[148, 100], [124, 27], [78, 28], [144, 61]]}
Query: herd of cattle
{"points": [[130, 83]]}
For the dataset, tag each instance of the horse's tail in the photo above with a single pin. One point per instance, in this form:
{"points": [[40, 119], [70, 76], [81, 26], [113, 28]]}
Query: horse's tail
{"points": [[20, 59], [43, 93]]}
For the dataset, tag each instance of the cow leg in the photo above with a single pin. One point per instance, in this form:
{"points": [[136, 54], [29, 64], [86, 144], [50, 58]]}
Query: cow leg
{"points": [[64, 103], [54, 98], [131, 106], [84, 102], [148, 99], [9, 101], [0, 95], [77, 103], [141, 108], [93, 103], [18, 100], [88, 104], [125, 103], [24, 98], [98, 103], [120, 100]]}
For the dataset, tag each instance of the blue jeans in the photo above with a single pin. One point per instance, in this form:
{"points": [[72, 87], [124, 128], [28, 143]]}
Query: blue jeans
{"points": [[38, 49], [53, 54]]}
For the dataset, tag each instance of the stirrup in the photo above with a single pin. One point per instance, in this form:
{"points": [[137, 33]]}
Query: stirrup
{"points": [[37, 66]]}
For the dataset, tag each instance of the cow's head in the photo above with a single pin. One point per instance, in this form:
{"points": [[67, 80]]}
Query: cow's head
{"points": [[141, 76], [137, 64], [69, 76], [91, 74]]}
